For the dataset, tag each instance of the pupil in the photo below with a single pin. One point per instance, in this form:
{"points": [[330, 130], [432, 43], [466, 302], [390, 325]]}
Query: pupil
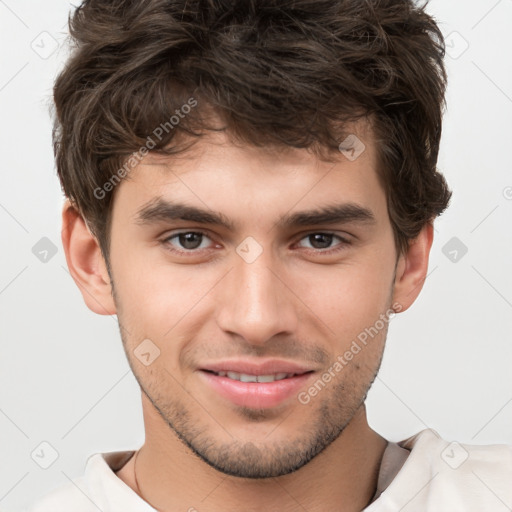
{"points": [[190, 240], [320, 240]]}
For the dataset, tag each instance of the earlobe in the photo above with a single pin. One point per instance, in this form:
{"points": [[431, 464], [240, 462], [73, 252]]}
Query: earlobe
{"points": [[412, 269], [85, 262]]}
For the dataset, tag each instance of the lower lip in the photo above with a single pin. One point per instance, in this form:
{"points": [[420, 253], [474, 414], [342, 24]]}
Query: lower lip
{"points": [[258, 395]]}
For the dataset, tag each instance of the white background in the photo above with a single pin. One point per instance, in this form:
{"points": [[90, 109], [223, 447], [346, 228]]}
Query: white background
{"points": [[64, 378]]}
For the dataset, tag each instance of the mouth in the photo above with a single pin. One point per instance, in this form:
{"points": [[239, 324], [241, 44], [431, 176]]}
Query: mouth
{"points": [[256, 386], [245, 377]]}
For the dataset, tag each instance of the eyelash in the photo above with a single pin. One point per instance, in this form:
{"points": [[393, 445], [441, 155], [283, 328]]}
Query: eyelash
{"points": [[340, 247]]}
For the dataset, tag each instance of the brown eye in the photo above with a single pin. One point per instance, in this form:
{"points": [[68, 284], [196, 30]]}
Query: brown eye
{"points": [[321, 241], [190, 240], [187, 241]]}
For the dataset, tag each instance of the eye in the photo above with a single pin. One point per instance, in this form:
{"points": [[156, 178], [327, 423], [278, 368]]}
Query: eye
{"points": [[319, 241], [187, 241]]}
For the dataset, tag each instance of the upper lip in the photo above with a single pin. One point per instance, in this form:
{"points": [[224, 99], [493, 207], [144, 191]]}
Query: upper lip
{"points": [[265, 367]]}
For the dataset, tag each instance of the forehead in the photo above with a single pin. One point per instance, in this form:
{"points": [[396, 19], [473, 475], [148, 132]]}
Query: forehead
{"points": [[219, 174]]}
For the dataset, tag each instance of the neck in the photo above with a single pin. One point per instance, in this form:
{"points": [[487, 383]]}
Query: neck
{"points": [[342, 478]]}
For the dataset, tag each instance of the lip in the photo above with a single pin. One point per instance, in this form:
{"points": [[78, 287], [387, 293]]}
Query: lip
{"points": [[265, 367], [259, 395]]}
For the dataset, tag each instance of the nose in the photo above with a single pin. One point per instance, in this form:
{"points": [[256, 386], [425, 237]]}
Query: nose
{"points": [[255, 302]]}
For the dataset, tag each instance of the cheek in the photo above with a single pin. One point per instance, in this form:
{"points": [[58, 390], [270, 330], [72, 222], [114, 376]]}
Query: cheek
{"points": [[348, 298], [158, 299]]}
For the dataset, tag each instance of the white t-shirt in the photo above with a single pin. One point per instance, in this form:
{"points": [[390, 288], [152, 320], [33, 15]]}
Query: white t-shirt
{"points": [[423, 473]]}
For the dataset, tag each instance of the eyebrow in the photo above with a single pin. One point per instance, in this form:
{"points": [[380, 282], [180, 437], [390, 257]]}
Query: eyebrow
{"points": [[160, 210], [333, 214]]}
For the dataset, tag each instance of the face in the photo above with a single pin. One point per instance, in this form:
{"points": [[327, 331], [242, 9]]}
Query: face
{"points": [[288, 267]]}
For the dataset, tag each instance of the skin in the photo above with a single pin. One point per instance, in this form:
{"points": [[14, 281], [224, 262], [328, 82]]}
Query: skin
{"points": [[296, 302]]}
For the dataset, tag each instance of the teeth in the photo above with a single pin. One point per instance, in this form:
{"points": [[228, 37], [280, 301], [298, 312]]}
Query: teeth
{"points": [[272, 378], [244, 377]]}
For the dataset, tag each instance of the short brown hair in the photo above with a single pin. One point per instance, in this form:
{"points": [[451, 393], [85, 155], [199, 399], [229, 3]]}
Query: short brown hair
{"points": [[276, 72]]}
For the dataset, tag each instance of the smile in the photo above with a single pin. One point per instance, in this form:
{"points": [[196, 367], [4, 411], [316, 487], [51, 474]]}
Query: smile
{"points": [[244, 377], [256, 383]]}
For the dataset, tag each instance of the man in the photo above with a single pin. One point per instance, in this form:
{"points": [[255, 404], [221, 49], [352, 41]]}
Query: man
{"points": [[251, 190]]}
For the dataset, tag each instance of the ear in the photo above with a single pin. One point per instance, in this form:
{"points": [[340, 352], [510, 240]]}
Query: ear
{"points": [[85, 262], [412, 269]]}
